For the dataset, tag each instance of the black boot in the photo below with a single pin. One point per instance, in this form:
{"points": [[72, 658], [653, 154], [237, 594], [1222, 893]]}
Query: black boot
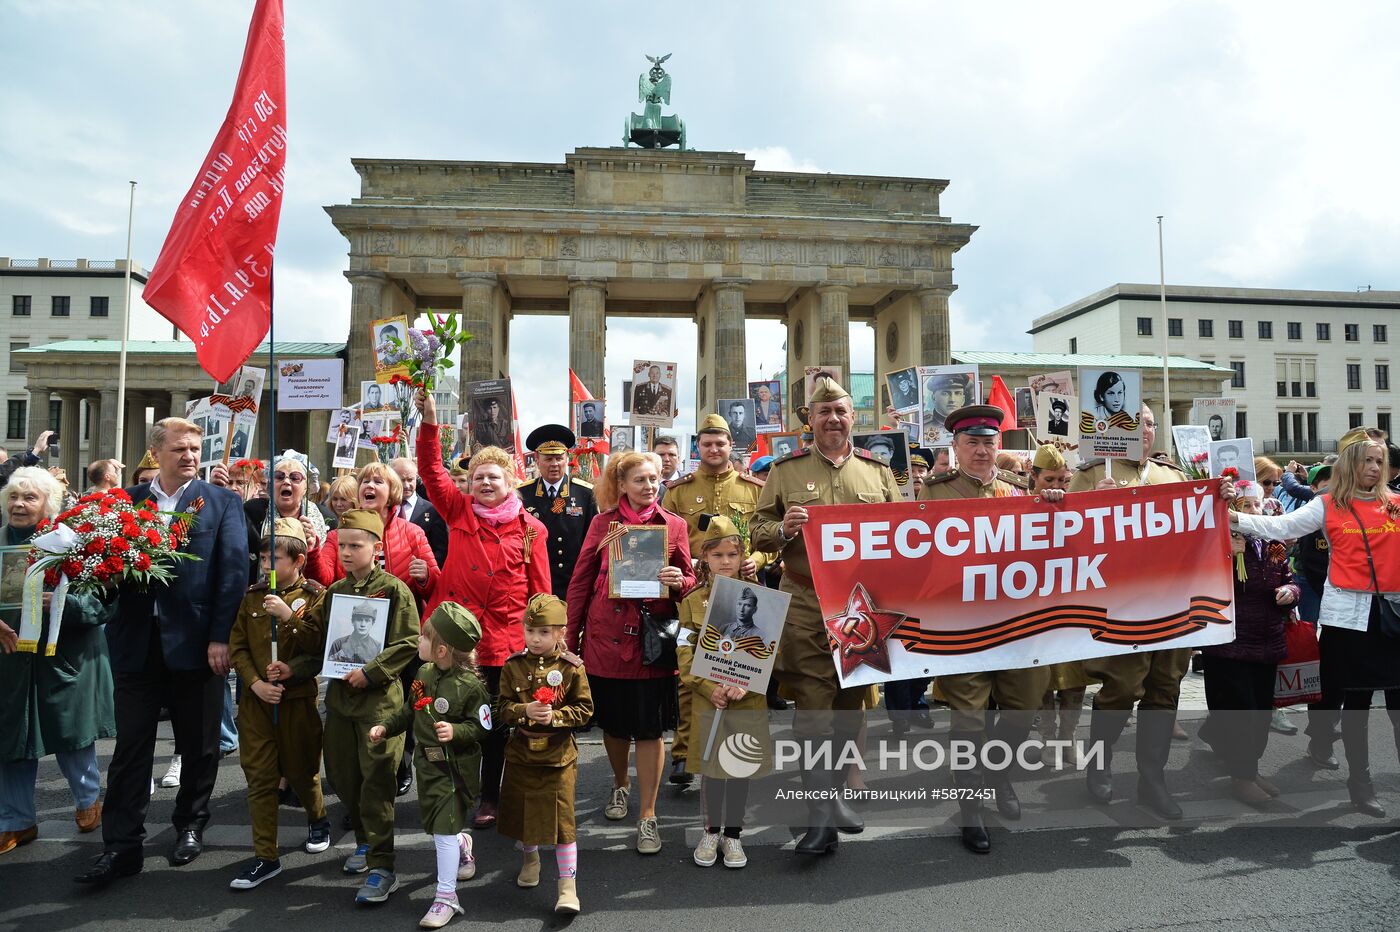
{"points": [[1008, 803], [1154, 744], [1105, 726], [847, 820], [1363, 795], [821, 836], [1356, 742], [974, 830]]}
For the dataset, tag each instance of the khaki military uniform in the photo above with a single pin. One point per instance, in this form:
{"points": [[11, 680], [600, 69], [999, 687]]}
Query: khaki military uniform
{"points": [[289, 745], [968, 693], [537, 790], [1151, 678], [363, 773], [733, 495], [804, 478], [449, 776]]}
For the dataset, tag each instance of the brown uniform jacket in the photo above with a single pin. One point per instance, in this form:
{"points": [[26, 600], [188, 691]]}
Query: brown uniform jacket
{"points": [[1087, 476], [385, 692], [730, 493], [958, 484], [539, 745], [301, 639]]}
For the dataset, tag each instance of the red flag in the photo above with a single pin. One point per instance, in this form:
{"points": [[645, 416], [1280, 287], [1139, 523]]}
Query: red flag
{"points": [[1001, 397], [579, 392], [213, 278]]}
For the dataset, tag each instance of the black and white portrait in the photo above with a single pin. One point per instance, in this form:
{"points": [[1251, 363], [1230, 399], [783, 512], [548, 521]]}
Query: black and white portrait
{"points": [[739, 414], [634, 562], [588, 415], [1110, 413], [620, 439], [378, 400], [945, 390], [767, 406], [739, 639], [904, 390], [489, 415], [355, 630], [1237, 454], [653, 393], [345, 445], [784, 443], [890, 447]]}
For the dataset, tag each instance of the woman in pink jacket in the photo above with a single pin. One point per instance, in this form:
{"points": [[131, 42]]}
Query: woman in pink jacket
{"points": [[632, 701]]}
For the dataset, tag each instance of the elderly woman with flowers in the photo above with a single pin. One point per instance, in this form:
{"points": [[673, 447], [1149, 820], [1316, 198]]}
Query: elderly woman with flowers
{"points": [[59, 704]]}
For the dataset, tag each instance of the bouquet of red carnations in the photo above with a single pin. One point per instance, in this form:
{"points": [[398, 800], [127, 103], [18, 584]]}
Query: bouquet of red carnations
{"points": [[104, 539]]}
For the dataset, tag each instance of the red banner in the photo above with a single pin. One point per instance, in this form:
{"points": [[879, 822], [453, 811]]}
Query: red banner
{"points": [[928, 588], [213, 278]]}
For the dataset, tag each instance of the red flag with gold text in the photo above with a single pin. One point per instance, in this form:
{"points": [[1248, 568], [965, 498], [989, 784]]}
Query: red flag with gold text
{"points": [[213, 279]]}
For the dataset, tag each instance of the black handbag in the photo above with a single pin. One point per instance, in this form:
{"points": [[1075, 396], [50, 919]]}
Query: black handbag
{"points": [[658, 638], [1388, 618]]}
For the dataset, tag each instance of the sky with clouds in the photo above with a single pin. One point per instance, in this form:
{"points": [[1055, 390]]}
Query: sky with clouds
{"points": [[1259, 131]]}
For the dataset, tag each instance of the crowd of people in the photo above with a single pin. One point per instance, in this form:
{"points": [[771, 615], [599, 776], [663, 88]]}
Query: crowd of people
{"points": [[505, 635]]}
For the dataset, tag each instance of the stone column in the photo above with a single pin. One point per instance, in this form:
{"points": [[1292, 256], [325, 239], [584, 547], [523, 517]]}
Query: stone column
{"points": [[934, 346], [105, 435], [587, 331], [39, 398], [479, 319], [366, 306], [70, 439], [94, 425], [178, 400], [135, 438], [730, 360], [833, 330]]}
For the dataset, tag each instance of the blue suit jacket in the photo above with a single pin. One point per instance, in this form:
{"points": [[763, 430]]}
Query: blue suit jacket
{"points": [[198, 606]]}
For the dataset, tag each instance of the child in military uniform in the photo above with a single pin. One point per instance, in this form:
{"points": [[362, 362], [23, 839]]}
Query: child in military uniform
{"points": [[544, 696], [724, 798], [450, 712], [364, 772], [278, 725]]}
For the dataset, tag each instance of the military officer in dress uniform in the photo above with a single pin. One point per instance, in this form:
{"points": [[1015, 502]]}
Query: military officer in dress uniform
{"points": [[1150, 678], [563, 503], [832, 471], [976, 431], [716, 488]]}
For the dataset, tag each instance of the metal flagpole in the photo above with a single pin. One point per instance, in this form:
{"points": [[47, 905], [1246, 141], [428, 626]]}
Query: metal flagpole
{"points": [[126, 334], [1166, 430], [272, 457]]}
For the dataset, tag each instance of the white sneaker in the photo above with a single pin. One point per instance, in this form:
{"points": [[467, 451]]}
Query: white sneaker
{"points": [[172, 776], [733, 849], [616, 809], [706, 852], [648, 837]]}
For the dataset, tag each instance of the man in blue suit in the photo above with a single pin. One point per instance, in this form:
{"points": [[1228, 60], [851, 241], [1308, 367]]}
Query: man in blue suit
{"points": [[169, 647]]}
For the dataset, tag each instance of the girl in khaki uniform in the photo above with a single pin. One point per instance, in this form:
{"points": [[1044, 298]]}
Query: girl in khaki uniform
{"points": [[543, 697], [721, 554]]}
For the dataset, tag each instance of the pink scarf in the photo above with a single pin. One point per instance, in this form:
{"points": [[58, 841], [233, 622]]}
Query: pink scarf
{"points": [[629, 516], [508, 510]]}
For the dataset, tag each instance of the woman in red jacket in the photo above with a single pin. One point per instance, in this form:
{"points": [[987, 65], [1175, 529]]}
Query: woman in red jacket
{"points": [[497, 557], [632, 701]]}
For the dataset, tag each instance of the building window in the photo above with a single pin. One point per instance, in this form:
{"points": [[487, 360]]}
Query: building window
{"points": [[16, 413], [1378, 332], [1266, 330], [1382, 377], [98, 308], [22, 305], [1173, 326], [1324, 332], [1383, 421], [1205, 328], [1353, 377], [1295, 330], [61, 303], [1353, 333], [1312, 425], [1283, 430], [55, 413], [1354, 419], [1237, 380], [1073, 345], [1236, 329], [1144, 326], [1281, 389], [1310, 389], [17, 364], [1241, 423]]}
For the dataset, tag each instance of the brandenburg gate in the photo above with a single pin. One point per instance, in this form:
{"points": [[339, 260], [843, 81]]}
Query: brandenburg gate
{"points": [[649, 233]]}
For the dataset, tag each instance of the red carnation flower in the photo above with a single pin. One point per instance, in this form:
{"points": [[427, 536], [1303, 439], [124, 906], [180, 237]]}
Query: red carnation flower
{"points": [[154, 537], [116, 563], [422, 704], [85, 528], [146, 514], [101, 573], [94, 546], [1230, 472], [544, 694], [51, 576], [142, 562], [120, 545], [120, 495], [71, 567]]}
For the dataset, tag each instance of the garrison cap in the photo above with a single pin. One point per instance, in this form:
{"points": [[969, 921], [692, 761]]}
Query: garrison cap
{"points": [[455, 626], [714, 424], [827, 389], [545, 611], [362, 519], [921, 456], [1047, 456], [1357, 435], [551, 439], [148, 462], [290, 527], [717, 528], [977, 420]]}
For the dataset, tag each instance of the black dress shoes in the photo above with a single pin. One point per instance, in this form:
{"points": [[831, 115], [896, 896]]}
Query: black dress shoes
{"points": [[111, 865], [679, 775], [188, 846], [405, 783]]}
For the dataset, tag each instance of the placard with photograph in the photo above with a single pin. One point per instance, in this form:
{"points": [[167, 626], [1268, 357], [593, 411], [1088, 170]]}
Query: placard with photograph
{"points": [[739, 414], [240, 439], [588, 419], [1025, 408], [1237, 453], [241, 394], [347, 442], [767, 405], [355, 630], [782, 444], [214, 422], [797, 399], [1192, 449], [904, 390], [309, 384], [739, 639], [1054, 424], [489, 414], [810, 374], [1216, 415], [945, 389], [14, 563], [1057, 383], [342, 417], [636, 557], [653, 393], [1110, 415], [390, 357], [378, 401], [622, 438], [892, 448]]}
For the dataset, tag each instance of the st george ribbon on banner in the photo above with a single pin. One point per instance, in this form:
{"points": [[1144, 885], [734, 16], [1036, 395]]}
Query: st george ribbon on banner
{"points": [[929, 588], [213, 278]]}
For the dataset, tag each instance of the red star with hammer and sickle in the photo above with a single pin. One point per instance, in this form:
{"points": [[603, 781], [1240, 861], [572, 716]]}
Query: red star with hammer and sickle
{"points": [[861, 633]]}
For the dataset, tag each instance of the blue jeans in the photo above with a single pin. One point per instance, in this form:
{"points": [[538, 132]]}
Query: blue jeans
{"points": [[1309, 599], [228, 731], [17, 779]]}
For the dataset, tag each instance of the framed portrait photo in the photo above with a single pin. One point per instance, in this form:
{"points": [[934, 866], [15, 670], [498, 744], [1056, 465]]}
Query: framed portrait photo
{"points": [[635, 560], [14, 563], [355, 630]]}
